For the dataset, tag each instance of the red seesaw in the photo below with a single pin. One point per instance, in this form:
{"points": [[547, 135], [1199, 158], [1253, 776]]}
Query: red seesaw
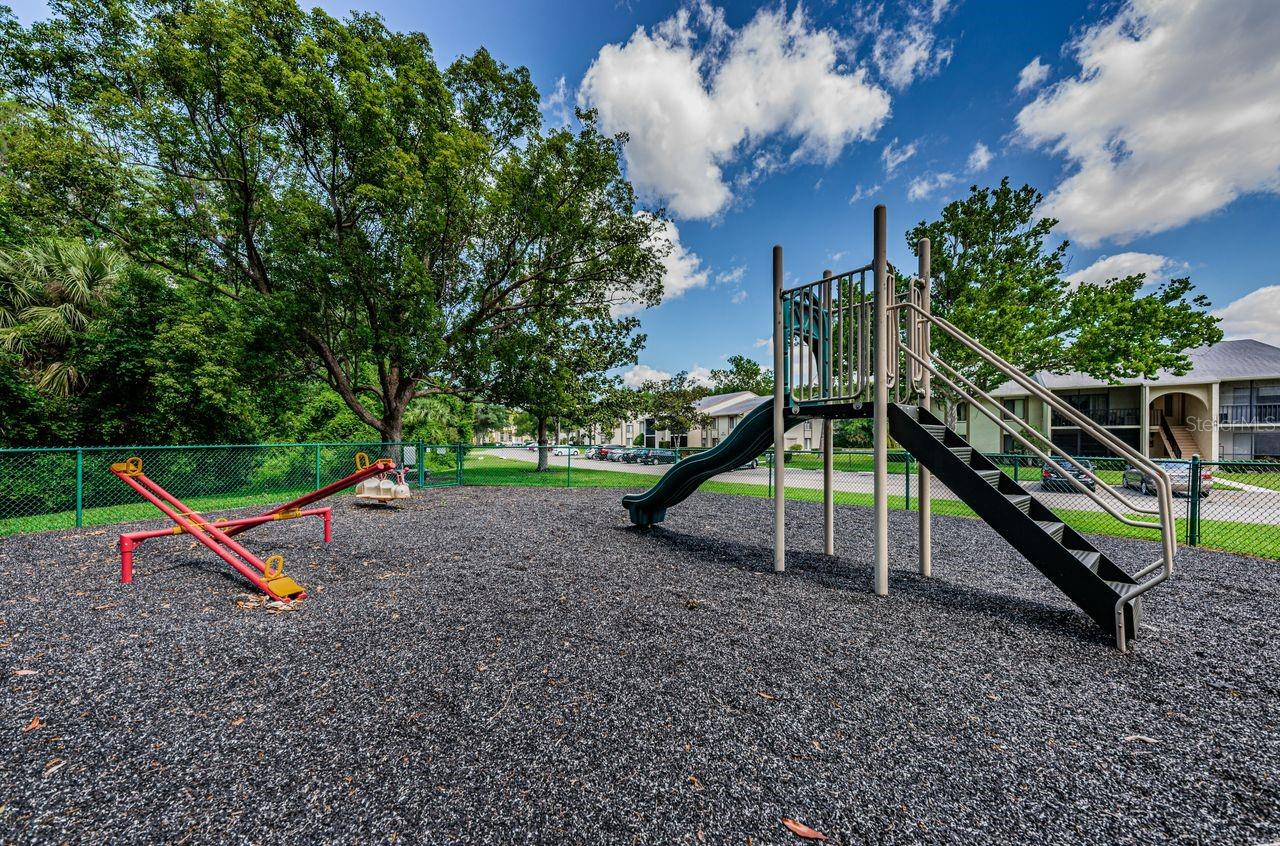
{"points": [[268, 576]]}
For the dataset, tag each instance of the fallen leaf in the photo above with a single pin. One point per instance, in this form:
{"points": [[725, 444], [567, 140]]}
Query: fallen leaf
{"points": [[764, 695], [1140, 738], [799, 829], [36, 723], [239, 721], [697, 785], [53, 766], [26, 672]]}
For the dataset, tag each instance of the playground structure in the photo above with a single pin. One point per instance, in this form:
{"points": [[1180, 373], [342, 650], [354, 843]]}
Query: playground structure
{"points": [[266, 574], [841, 351]]}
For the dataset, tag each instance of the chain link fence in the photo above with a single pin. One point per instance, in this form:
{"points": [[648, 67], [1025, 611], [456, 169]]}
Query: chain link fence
{"points": [[1235, 507], [45, 489]]}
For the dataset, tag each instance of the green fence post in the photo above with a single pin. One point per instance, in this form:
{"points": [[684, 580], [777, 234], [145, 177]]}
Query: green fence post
{"points": [[1193, 507], [79, 487], [317, 466], [422, 464], [568, 468], [458, 477], [906, 476]]}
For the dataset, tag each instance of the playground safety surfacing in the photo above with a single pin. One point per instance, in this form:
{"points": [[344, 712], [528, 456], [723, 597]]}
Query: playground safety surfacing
{"points": [[497, 665]]}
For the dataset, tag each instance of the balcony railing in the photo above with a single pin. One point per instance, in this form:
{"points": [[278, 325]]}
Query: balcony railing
{"points": [[1102, 416], [1258, 413]]}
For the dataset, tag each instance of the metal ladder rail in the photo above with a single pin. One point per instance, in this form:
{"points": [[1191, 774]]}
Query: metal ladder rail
{"points": [[1012, 431], [1163, 485]]}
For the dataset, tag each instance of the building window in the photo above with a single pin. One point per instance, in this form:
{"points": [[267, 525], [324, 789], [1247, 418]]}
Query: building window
{"points": [[630, 429], [808, 426], [1016, 407], [962, 412]]}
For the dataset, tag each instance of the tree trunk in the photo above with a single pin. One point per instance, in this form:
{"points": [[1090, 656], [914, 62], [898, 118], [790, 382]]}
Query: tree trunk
{"points": [[542, 444]]}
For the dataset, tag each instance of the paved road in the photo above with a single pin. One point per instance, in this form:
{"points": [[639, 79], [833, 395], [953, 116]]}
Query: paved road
{"points": [[1252, 505]]}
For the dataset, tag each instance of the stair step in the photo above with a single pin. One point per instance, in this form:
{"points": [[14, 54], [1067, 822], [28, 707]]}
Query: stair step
{"points": [[964, 453], [935, 429], [1120, 587], [1053, 527], [991, 477], [1022, 501], [1087, 557]]}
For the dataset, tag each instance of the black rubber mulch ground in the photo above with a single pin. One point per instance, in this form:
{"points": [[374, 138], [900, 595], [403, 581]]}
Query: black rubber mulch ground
{"points": [[498, 666]]}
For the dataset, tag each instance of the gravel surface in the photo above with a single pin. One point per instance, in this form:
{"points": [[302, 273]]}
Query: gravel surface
{"points": [[490, 665]]}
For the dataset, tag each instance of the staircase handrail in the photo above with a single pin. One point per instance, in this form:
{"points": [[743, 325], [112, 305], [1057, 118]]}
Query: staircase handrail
{"points": [[995, 418], [1164, 487]]}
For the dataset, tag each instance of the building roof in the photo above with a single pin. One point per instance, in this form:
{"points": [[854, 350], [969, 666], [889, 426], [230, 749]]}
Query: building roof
{"points": [[1222, 362], [745, 405], [710, 405]]}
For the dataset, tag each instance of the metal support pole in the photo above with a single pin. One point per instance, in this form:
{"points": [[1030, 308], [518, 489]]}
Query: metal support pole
{"points": [[1193, 502], [422, 465], [926, 398], [779, 421], [317, 463], [880, 375], [828, 429], [79, 487]]}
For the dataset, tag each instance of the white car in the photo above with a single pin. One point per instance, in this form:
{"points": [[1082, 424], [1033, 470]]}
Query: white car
{"points": [[564, 450]]}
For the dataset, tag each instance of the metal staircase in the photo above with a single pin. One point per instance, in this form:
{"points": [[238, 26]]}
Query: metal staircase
{"points": [[1087, 576]]}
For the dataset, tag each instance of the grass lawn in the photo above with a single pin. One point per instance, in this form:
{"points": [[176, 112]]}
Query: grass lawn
{"points": [[1269, 480], [482, 469]]}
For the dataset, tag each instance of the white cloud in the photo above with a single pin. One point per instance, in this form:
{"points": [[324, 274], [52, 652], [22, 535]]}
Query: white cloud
{"points": [[739, 297], [1119, 266], [641, 373], [556, 106], [1174, 114], [859, 193], [699, 98], [923, 187], [979, 159], [912, 51], [1255, 315], [682, 270], [699, 375], [733, 276], [1032, 76], [894, 156]]}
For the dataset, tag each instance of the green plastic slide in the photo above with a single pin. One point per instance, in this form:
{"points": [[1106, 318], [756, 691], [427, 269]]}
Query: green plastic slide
{"points": [[749, 439]]}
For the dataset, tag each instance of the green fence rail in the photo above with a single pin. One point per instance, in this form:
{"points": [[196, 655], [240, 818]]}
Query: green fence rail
{"points": [[1235, 507]]}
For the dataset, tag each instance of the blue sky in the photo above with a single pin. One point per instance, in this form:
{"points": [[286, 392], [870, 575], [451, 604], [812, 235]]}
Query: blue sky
{"points": [[1150, 125]]}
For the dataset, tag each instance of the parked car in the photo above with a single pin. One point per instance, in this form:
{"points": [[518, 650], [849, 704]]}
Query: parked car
{"points": [[633, 456], [1053, 477], [605, 452], [531, 446], [660, 456], [619, 453], [592, 452], [564, 450], [1179, 477], [750, 465]]}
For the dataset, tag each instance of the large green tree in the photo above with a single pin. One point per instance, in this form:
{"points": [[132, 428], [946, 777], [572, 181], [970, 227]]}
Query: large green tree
{"points": [[997, 276], [558, 369], [673, 404], [742, 374], [393, 220]]}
